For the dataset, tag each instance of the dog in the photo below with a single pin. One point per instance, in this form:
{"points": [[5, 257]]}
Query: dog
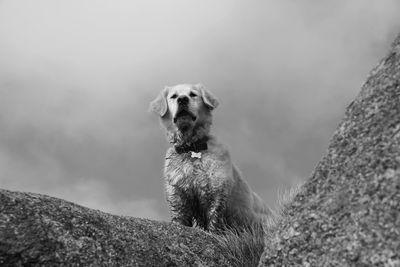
{"points": [[203, 187]]}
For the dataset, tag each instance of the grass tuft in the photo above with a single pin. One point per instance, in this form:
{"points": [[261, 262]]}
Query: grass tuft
{"points": [[246, 246]]}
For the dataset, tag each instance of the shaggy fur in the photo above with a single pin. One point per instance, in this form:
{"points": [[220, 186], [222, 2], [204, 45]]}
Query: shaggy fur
{"points": [[205, 191]]}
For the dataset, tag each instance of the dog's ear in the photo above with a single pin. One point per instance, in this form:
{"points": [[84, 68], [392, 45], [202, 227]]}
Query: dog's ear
{"points": [[159, 105], [209, 99]]}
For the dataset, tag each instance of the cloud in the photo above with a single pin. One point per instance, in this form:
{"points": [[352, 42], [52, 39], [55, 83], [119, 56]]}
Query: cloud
{"points": [[76, 78]]}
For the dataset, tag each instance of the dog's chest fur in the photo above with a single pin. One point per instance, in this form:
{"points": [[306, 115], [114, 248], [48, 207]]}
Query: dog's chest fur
{"points": [[185, 171], [194, 177]]}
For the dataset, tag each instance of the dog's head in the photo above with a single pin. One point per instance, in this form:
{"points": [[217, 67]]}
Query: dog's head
{"points": [[184, 107]]}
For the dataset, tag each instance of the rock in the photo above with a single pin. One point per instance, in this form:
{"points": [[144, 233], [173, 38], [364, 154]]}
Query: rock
{"points": [[348, 212], [37, 230]]}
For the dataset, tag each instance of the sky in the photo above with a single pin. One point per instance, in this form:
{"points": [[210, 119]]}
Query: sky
{"points": [[76, 79]]}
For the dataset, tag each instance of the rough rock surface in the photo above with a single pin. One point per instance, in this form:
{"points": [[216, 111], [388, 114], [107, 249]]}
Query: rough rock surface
{"points": [[37, 230], [348, 212]]}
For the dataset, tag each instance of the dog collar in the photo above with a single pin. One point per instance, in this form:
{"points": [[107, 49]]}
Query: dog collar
{"points": [[195, 148]]}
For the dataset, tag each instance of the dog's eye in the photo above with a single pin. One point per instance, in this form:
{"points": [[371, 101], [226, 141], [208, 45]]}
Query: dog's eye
{"points": [[174, 96], [192, 94]]}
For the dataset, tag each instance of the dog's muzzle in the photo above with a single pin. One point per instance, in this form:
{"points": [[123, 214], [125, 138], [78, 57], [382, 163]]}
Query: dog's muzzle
{"points": [[184, 115]]}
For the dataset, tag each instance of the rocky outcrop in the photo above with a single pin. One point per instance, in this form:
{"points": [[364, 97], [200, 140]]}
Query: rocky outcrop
{"points": [[37, 230], [348, 212]]}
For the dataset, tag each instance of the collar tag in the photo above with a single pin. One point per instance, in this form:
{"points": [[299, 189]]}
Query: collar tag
{"points": [[195, 155]]}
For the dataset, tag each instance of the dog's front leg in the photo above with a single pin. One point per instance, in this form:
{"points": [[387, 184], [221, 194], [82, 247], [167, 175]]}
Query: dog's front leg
{"points": [[179, 212], [216, 212]]}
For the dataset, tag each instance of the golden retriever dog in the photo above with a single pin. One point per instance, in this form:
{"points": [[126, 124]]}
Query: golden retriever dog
{"points": [[203, 187]]}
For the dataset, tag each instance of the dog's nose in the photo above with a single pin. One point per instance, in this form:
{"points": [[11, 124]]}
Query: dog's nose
{"points": [[183, 100]]}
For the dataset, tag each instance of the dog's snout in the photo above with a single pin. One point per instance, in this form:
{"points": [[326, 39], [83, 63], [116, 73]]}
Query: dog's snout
{"points": [[183, 100]]}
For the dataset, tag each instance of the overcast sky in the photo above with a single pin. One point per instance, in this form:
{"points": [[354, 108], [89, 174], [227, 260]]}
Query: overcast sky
{"points": [[76, 78]]}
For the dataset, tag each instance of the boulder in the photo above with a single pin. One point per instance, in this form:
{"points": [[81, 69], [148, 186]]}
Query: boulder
{"points": [[37, 230], [348, 212]]}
